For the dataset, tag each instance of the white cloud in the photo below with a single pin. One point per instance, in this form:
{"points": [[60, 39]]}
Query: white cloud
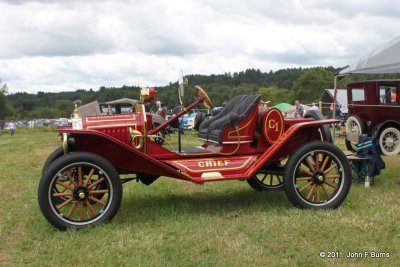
{"points": [[65, 45]]}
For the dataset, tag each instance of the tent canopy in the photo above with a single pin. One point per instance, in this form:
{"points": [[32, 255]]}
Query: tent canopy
{"points": [[385, 59]]}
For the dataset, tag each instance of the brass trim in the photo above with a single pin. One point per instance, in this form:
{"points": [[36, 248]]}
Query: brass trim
{"points": [[115, 119], [238, 130], [217, 169]]}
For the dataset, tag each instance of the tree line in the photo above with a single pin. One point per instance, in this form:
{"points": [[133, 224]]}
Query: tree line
{"points": [[286, 85]]}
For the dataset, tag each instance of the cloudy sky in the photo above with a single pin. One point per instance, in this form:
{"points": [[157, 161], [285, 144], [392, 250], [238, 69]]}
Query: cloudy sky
{"points": [[68, 44]]}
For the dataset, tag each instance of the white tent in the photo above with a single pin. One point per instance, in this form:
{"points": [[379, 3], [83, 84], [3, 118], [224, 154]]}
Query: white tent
{"points": [[385, 59]]}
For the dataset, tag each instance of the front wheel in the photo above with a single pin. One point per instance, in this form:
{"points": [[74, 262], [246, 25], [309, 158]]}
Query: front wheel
{"points": [[317, 176], [79, 190]]}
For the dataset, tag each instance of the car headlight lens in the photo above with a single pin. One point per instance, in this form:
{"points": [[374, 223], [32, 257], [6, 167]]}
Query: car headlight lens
{"points": [[77, 124]]}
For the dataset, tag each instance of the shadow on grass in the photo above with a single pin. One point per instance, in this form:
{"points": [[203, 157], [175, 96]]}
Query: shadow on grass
{"points": [[170, 206]]}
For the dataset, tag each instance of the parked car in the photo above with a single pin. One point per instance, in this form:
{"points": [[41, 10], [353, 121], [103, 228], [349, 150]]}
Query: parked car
{"points": [[81, 184], [374, 108]]}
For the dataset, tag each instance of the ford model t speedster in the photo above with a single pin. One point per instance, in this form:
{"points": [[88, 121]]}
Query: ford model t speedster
{"points": [[81, 184]]}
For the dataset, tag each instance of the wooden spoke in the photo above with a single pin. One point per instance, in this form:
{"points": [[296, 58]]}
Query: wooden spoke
{"points": [[71, 210], [310, 164], [316, 161], [306, 171], [64, 203], [62, 194], [330, 168], [79, 175], [303, 178], [279, 179], [318, 193], [88, 177], [307, 185], [81, 211], [65, 185], [70, 178], [310, 193], [333, 176], [325, 162], [97, 201], [96, 183], [90, 208], [325, 191], [105, 191], [331, 185]]}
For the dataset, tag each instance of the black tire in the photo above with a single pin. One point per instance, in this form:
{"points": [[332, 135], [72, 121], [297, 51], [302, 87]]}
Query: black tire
{"points": [[59, 152], [325, 132], [350, 146], [198, 120], [161, 133], [82, 198], [322, 169]]}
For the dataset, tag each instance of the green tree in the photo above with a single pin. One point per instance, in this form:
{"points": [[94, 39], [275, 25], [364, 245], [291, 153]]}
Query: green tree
{"points": [[3, 100], [275, 95], [312, 83]]}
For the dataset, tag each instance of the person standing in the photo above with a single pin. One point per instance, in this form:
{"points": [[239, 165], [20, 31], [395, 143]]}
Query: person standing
{"points": [[299, 109], [314, 107], [11, 125]]}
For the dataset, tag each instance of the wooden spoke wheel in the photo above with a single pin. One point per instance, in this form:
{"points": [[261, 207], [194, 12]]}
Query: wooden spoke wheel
{"points": [[266, 180], [317, 176], [78, 190]]}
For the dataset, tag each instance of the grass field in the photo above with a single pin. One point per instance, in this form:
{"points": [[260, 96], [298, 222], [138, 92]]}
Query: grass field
{"points": [[176, 223]]}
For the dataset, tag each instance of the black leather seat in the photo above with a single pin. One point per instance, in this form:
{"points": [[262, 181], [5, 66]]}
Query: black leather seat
{"points": [[211, 130]]}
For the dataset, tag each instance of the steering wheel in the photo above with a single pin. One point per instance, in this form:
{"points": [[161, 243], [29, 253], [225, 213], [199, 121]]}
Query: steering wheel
{"points": [[202, 94]]}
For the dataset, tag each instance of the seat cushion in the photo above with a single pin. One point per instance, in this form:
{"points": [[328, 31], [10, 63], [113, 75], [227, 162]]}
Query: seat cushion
{"points": [[242, 105]]}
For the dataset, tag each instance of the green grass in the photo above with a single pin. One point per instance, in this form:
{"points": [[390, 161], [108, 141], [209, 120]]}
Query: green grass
{"points": [[176, 223]]}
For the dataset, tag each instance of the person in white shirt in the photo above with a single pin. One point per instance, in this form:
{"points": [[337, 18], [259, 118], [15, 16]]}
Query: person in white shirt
{"points": [[11, 125], [314, 107]]}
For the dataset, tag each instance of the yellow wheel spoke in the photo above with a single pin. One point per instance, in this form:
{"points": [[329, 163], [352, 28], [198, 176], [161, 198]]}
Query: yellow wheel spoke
{"points": [[62, 194], [331, 185], [96, 183], [88, 177], [318, 193], [317, 161], [304, 187], [306, 171], [71, 210], [64, 203], [70, 178], [311, 192], [91, 209], [80, 175], [330, 168], [105, 191], [97, 201], [324, 163], [81, 211], [332, 176], [310, 164], [325, 191], [65, 185], [303, 178]]}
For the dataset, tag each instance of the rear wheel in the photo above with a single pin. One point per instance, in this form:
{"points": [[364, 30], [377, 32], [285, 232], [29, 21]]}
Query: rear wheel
{"points": [[266, 180], [317, 176], [324, 130], [389, 141], [354, 127], [79, 190]]}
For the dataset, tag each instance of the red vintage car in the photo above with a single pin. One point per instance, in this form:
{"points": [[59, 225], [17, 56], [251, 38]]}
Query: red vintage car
{"points": [[374, 107], [81, 184]]}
